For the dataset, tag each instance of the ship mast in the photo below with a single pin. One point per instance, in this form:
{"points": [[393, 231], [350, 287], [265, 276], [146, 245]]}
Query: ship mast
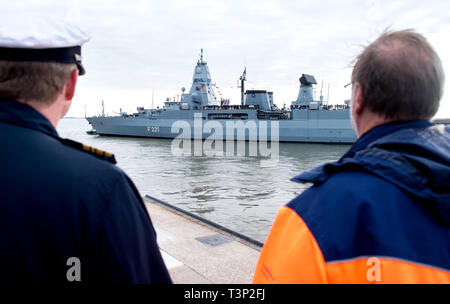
{"points": [[201, 55], [153, 95], [321, 94], [328, 97], [243, 78]]}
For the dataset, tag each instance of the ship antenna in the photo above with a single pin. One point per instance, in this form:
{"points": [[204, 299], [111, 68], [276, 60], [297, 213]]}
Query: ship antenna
{"points": [[153, 95], [201, 55], [328, 98], [321, 93], [243, 78]]}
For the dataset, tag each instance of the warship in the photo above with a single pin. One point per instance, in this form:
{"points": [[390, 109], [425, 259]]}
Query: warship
{"points": [[199, 114]]}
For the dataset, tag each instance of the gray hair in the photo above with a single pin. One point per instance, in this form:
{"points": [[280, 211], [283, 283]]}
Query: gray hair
{"points": [[401, 76]]}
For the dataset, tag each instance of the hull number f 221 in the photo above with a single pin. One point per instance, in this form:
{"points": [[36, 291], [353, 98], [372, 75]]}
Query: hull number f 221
{"points": [[153, 129]]}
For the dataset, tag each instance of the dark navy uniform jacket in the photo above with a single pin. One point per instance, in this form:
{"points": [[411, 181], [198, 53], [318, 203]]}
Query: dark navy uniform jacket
{"points": [[381, 214], [58, 202]]}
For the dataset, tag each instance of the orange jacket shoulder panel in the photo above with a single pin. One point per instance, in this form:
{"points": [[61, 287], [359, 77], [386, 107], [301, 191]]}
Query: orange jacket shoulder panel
{"points": [[291, 253]]}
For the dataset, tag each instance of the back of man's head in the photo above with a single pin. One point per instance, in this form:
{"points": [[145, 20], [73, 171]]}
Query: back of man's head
{"points": [[37, 82], [401, 76]]}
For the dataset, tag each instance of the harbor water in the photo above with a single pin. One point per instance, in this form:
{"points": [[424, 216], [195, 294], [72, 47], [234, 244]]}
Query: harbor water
{"points": [[242, 193]]}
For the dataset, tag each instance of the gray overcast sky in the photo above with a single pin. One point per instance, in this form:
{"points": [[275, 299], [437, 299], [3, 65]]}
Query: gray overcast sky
{"points": [[138, 46]]}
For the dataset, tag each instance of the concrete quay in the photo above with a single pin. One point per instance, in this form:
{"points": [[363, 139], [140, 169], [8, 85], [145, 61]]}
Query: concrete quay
{"points": [[200, 252]]}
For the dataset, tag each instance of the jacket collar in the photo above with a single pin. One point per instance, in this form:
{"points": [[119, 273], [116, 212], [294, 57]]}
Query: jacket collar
{"points": [[25, 116], [380, 131]]}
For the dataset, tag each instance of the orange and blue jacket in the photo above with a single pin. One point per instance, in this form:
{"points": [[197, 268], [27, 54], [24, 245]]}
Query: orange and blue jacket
{"points": [[381, 214]]}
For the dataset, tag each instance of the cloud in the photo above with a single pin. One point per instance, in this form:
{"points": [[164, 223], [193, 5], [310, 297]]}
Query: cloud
{"points": [[141, 45]]}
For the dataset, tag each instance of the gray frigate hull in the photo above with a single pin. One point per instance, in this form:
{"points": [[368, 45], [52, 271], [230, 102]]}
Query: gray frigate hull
{"points": [[305, 125]]}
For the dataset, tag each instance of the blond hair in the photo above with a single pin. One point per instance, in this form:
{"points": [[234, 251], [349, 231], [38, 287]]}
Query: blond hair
{"points": [[28, 81]]}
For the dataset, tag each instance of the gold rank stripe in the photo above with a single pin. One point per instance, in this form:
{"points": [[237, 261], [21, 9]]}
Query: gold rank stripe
{"points": [[96, 151], [91, 150]]}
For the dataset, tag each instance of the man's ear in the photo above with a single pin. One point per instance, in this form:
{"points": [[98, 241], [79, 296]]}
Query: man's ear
{"points": [[359, 103], [71, 84]]}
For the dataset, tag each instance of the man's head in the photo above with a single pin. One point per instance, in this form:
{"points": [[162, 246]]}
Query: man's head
{"points": [[398, 77], [40, 60]]}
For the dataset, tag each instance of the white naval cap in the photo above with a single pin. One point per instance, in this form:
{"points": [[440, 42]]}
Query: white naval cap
{"points": [[39, 37]]}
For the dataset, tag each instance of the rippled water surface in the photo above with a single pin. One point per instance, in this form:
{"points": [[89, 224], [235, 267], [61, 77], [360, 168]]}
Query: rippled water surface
{"points": [[242, 193]]}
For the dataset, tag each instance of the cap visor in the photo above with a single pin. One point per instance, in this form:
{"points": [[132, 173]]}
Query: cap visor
{"points": [[81, 69]]}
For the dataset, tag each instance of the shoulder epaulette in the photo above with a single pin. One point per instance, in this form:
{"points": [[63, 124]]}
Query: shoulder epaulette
{"points": [[91, 150]]}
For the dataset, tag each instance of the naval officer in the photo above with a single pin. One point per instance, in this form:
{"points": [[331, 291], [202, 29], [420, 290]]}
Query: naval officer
{"points": [[67, 213]]}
